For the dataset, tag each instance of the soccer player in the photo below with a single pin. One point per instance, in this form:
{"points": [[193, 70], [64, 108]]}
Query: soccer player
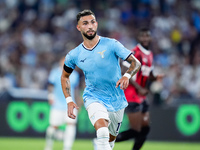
{"points": [[58, 111], [138, 108], [103, 96]]}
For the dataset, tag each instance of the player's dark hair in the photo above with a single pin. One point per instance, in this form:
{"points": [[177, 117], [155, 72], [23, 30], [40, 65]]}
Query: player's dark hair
{"points": [[144, 29], [85, 12]]}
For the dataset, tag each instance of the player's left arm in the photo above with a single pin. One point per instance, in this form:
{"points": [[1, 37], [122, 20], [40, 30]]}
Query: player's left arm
{"points": [[132, 70], [65, 82], [77, 92]]}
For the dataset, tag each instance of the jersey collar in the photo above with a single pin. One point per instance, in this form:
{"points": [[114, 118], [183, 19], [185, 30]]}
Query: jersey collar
{"points": [[90, 49], [144, 50]]}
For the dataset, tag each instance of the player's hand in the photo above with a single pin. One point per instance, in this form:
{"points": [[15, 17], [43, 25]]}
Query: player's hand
{"points": [[70, 112], [123, 83]]}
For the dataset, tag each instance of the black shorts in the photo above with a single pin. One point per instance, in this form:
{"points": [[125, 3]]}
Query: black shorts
{"points": [[136, 107], [145, 106]]}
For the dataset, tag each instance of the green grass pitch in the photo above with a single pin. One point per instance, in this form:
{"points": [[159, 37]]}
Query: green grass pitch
{"points": [[81, 144]]}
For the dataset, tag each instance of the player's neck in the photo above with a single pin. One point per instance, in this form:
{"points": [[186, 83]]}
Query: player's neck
{"points": [[90, 44], [145, 47]]}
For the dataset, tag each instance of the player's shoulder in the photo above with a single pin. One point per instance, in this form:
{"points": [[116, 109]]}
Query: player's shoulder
{"points": [[143, 50], [107, 39], [135, 50]]}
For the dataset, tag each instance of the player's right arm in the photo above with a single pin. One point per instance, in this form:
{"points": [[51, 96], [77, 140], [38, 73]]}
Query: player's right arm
{"points": [[65, 82], [132, 70], [140, 90]]}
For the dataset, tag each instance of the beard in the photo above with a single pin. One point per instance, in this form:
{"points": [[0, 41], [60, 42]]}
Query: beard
{"points": [[90, 37], [146, 46]]}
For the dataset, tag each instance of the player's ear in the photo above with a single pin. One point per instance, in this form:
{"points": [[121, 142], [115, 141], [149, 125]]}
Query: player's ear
{"points": [[78, 27]]}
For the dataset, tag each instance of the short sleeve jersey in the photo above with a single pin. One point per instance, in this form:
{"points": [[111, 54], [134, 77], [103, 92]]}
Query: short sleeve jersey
{"points": [[55, 80], [146, 59], [102, 71]]}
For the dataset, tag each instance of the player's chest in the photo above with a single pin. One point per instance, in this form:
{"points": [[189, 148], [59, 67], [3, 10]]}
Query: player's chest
{"points": [[146, 61], [91, 60]]}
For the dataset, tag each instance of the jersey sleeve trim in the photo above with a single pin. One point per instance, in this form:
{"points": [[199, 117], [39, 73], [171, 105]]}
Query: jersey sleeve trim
{"points": [[128, 56], [67, 69]]}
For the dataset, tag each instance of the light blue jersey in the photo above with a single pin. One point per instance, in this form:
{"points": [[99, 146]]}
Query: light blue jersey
{"points": [[102, 71], [55, 79]]}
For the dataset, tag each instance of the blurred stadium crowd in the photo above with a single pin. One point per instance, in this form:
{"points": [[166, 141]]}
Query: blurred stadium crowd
{"points": [[34, 34]]}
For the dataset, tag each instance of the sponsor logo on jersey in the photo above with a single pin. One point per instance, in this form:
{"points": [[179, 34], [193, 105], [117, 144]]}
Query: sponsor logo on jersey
{"points": [[144, 60], [146, 70]]}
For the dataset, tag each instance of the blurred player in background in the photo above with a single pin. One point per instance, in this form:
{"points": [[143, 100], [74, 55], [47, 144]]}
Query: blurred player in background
{"points": [[58, 111], [103, 96], [138, 108]]}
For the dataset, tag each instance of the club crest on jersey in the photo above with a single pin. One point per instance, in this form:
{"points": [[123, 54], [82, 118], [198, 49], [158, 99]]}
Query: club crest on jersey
{"points": [[101, 53]]}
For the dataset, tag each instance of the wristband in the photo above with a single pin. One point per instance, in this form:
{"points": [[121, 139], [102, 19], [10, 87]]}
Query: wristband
{"points": [[69, 99], [127, 75]]}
